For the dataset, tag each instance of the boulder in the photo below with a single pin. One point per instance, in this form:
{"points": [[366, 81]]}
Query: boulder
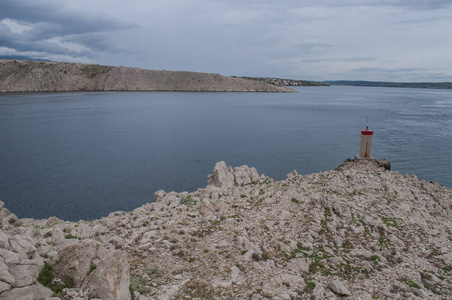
{"points": [[32, 292], [337, 287], [4, 215], [19, 268], [384, 163], [245, 175], [159, 195], [110, 279], [222, 177], [104, 272]]}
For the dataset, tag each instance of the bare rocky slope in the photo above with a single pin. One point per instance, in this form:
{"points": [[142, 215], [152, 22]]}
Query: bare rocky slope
{"points": [[39, 76], [356, 232]]}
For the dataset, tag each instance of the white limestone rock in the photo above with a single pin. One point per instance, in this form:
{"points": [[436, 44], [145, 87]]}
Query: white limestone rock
{"points": [[109, 279], [339, 288], [31, 292], [19, 268], [4, 286], [222, 177], [159, 195], [265, 238]]}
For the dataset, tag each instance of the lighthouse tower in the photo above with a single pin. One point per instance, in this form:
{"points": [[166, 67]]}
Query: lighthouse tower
{"points": [[366, 143]]}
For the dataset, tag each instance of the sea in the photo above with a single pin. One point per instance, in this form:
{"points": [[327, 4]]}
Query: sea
{"points": [[83, 155]]}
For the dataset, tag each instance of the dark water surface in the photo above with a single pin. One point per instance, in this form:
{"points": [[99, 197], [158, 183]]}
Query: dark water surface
{"points": [[84, 155]]}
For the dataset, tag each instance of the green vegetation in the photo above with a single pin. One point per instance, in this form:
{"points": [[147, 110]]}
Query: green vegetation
{"points": [[310, 286], [188, 200], [94, 70], [154, 272], [46, 278], [139, 284], [390, 222], [375, 258], [300, 249], [17, 223], [91, 269], [411, 283]]}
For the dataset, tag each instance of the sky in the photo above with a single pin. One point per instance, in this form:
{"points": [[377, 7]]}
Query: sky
{"points": [[378, 40]]}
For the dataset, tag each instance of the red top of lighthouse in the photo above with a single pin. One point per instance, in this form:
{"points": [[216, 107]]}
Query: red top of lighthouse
{"points": [[367, 131]]}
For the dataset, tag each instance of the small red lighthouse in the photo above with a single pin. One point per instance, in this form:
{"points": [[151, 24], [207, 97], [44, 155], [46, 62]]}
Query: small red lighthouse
{"points": [[366, 143]]}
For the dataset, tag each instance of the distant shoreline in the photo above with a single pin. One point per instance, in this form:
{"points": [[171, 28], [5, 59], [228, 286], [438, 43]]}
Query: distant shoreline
{"points": [[418, 85], [41, 76], [363, 83]]}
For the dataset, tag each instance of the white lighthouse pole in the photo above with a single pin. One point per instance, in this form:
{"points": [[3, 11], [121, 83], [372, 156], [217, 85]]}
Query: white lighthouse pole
{"points": [[366, 142]]}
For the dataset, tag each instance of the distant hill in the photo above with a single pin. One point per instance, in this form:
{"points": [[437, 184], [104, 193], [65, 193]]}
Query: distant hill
{"points": [[419, 85], [287, 82], [44, 76]]}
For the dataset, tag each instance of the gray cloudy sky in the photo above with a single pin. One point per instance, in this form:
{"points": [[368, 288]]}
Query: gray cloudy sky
{"points": [[384, 40]]}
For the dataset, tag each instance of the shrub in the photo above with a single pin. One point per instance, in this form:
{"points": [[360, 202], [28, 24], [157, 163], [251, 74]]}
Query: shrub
{"points": [[45, 277], [310, 286], [411, 283], [154, 271], [91, 269], [189, 201], [375, 258]]}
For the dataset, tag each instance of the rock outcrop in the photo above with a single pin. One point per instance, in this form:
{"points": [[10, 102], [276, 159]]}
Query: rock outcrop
{"points": [[359, 231], [20, 264], [39, 76], [100, 272]]}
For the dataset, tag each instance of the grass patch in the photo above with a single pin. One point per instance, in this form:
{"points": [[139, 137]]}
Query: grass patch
{"points": [[413, 284], [139, 284], [91, 269], [188, 200], [46, 278], [375, 258], [310, 286], [390, 222]]}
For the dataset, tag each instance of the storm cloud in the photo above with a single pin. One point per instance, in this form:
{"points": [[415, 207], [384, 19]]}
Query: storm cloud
{"points": [[50, 28], [312, 40]]}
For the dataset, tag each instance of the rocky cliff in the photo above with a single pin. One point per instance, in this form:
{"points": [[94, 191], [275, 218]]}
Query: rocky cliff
{"points": [[358, 231], [38, 76]]}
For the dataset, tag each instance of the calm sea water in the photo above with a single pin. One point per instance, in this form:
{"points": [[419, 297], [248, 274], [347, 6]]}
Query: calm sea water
{"points": [[84, 155]]}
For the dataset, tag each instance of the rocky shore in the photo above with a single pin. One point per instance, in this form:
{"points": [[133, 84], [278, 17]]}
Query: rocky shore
{"points": [[40, 76], [358, 231]]}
